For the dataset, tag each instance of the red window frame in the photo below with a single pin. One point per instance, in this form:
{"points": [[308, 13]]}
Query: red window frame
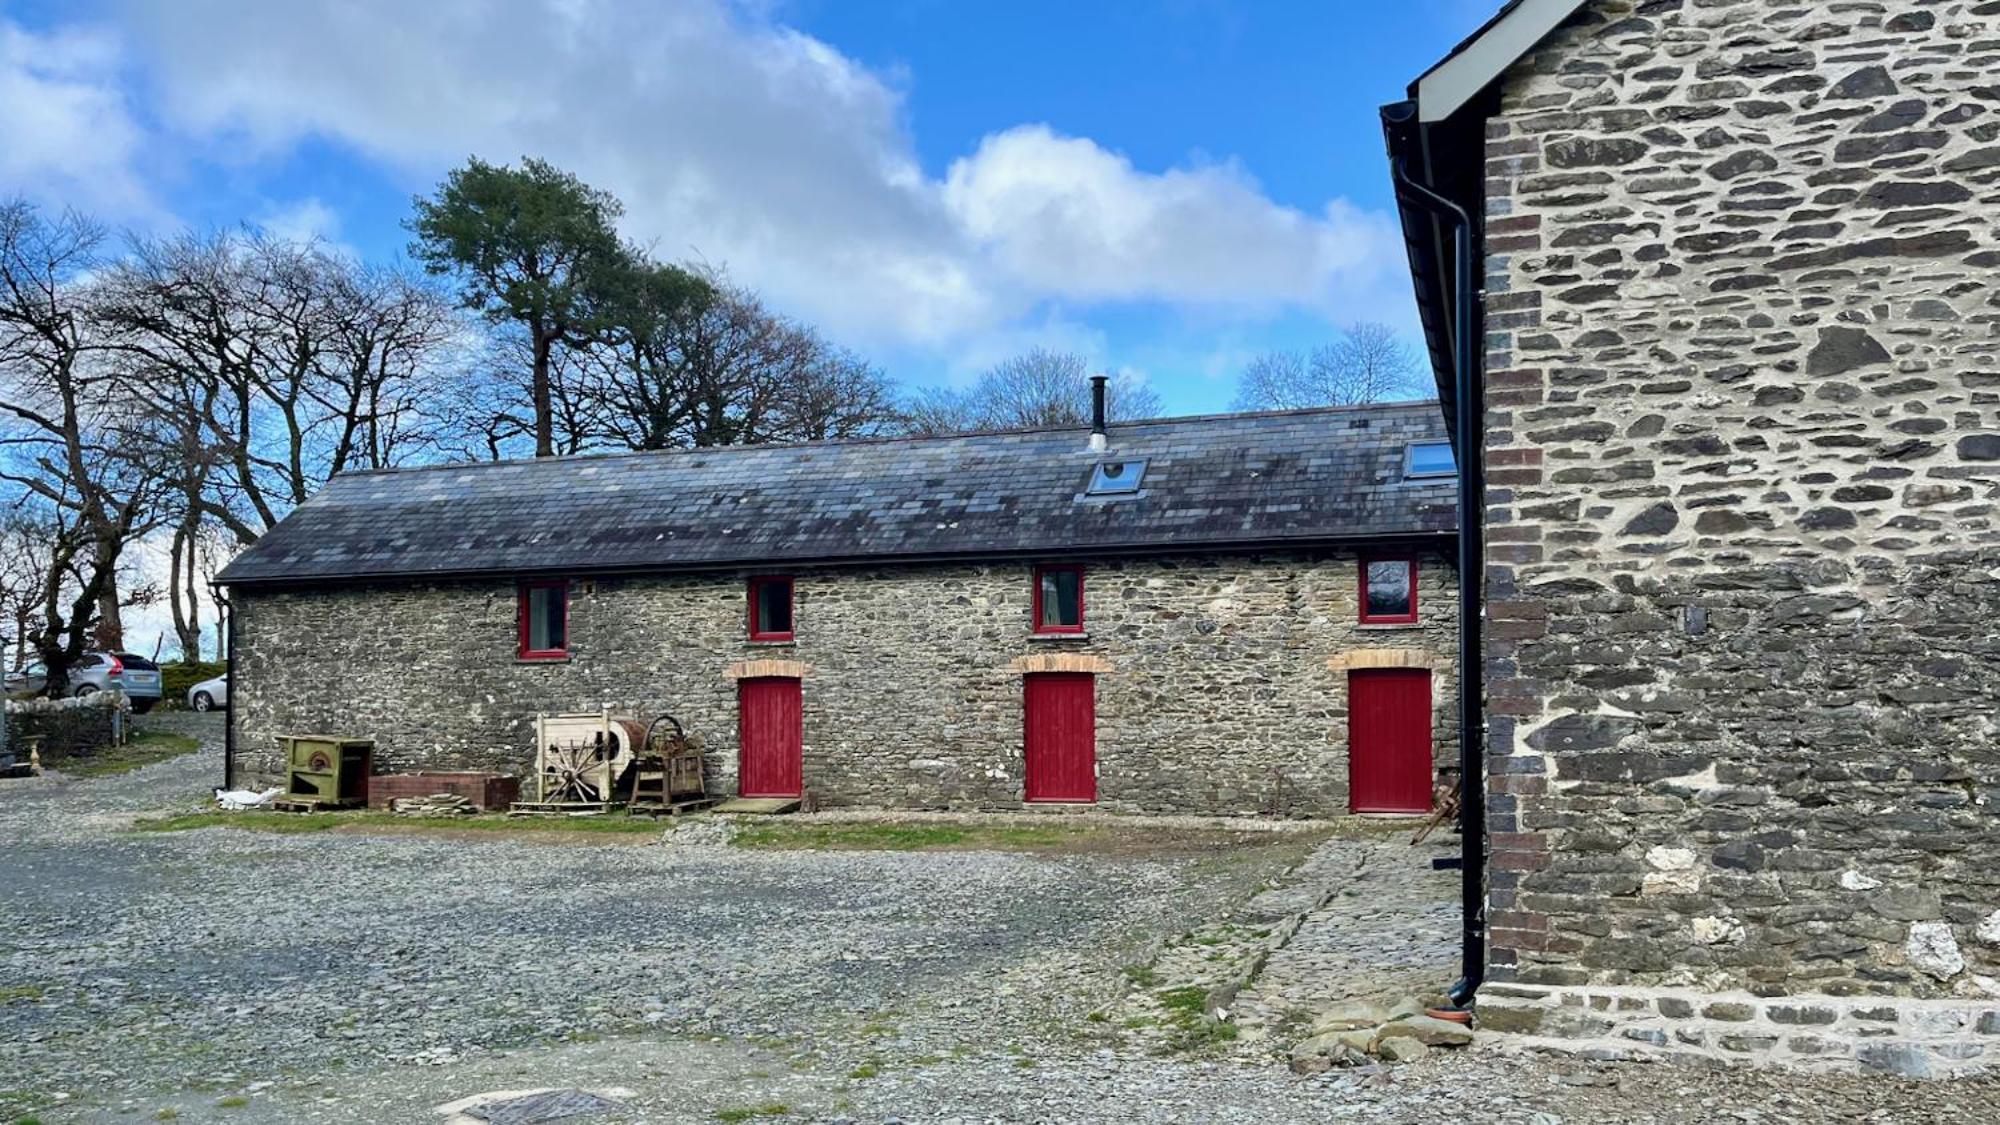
{"points": [[1036, 618], [1409, 618], [756, 587], [522, 645]]}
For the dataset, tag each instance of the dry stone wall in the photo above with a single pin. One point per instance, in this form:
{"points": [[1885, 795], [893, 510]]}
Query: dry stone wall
{"points": [[1744, 455], [1218, 684]]}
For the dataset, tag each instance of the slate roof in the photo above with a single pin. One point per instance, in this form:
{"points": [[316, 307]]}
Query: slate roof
{"points": [[1221, 481]]}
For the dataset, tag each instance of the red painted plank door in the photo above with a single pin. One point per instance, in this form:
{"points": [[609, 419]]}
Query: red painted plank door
{"points": [[1061, 736], [771, 725], [1389, 740]]}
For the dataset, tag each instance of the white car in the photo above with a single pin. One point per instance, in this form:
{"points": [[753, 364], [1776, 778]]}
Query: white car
{"points": [[209, 694]]}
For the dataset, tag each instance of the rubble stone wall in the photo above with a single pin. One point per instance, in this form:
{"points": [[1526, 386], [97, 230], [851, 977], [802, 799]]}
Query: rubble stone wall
{"points": [[1220, 682], [1744, 458]]}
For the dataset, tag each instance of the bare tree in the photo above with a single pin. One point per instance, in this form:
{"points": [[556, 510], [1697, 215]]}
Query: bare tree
{"points": [[725, 370], [1036, 390], [72, 441], [1369, 363], [264, 367]]}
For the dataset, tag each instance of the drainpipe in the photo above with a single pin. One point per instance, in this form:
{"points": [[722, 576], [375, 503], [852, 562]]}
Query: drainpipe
{"points": [[1099, 440], [228, 669], [1470, 413]]}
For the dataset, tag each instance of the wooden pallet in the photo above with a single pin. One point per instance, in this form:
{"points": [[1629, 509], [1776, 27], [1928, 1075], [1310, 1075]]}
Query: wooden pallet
{"points": [[561, 808], [313, 804], [671, 808]]}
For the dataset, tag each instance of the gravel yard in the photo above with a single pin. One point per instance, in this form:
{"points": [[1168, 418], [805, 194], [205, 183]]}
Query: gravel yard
{"points": [[242, 976]]}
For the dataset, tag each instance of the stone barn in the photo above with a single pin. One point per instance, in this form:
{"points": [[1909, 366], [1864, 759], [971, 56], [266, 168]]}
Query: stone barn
{"points": [[1230, 614], [1731, 325]]}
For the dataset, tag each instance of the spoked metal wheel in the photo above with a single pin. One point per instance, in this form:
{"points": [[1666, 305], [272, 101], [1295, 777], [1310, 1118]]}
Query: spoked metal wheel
{"points": [[574, 773]]}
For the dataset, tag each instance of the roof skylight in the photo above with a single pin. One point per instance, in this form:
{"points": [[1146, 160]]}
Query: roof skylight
{"points": [[1115, 478], [1428, 459]]}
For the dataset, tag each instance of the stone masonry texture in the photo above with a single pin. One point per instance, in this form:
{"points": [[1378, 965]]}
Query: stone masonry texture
{"points": [[1744, 449], [1218, 690]]}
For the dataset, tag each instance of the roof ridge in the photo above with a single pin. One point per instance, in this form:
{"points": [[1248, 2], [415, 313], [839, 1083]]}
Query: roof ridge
{"points": [[893, 439]]}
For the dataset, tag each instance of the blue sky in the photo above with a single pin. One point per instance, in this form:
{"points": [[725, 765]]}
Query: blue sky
{"points": [[1168, 188]]}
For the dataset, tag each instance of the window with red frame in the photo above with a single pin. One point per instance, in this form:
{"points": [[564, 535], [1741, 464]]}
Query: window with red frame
{"points": [[1388, 591], [771, 609], [544, 620], [1058, 599]]}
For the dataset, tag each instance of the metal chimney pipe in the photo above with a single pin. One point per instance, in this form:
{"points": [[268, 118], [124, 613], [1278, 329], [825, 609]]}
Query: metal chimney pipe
{"points": [[1098, 440]]}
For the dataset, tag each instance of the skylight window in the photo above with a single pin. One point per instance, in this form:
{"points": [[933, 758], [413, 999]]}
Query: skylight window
{"points": [[1116, 478], [1429, 459]]}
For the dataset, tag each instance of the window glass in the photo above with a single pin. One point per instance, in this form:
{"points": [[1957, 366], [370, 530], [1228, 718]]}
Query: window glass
{"points": [[1116, 478], [1062, 598], [1429, 459], [774, 607], [1388, 590], [547, 624]]}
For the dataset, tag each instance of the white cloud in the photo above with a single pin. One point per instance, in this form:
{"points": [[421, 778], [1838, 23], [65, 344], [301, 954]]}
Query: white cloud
{"points": [[67, 136], [1065, 216], [301, 220], [742, 141]]}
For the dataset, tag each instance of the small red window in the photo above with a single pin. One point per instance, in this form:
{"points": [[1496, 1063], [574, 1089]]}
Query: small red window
{"points": [[771, 609], [1058, 599], [1388, 591], [544, 620]]}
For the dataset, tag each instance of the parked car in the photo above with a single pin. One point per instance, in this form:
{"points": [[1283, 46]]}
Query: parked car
{"points": [[209, 694], [25, 681], [136, 676]]}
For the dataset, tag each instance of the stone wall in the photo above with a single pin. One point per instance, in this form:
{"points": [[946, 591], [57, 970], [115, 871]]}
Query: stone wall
{"points": [[1744, 456], [1221, 683], [66, 728]]}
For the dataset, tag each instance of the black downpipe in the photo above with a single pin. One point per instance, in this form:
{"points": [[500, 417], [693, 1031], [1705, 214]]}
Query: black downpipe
{"points": [[228, 669], [1469, 419]]}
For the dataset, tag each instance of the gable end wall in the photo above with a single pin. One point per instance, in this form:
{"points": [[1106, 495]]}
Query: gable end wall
{"points": [[1743, 446]]}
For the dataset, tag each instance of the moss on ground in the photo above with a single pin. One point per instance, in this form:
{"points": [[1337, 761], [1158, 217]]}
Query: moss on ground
{"points": [[909, 837], [365, 821], [145, 749], [746, 1113]]}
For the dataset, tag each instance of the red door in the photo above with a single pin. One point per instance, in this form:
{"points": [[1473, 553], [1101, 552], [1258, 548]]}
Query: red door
{"points": [[773, 738], [1062, 736], [1389, 740]]}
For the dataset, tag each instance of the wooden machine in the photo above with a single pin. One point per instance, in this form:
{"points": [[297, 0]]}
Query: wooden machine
{"points": [[591, 761]]}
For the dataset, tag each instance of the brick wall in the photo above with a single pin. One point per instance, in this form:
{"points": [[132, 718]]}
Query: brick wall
{"points": [[1219, 694], [1744, 428]]}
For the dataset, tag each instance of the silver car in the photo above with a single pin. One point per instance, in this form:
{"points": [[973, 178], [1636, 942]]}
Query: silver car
{"points": [[209, 694], [136, 676]]}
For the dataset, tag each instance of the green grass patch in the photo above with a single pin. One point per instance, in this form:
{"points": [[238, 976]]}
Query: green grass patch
{"points": [[1184, 1002], [1194, 1028], [908, 837], [1142, 975], [20, 993], [369, 821], [145, 749], [233, 1101], [748, 1113], [864, 1071]]}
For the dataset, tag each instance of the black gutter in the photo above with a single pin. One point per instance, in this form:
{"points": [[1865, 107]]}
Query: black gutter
{"points": [[1468, 404], [835, 562]]}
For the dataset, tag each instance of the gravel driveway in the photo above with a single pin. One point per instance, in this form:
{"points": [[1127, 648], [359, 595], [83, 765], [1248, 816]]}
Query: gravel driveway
{"points": [[221, 975], [143, 963]]}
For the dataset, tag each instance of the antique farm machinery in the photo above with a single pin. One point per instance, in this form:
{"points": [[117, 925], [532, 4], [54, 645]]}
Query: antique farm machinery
{"points": [[591, 761]]}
